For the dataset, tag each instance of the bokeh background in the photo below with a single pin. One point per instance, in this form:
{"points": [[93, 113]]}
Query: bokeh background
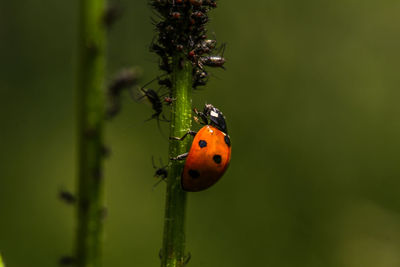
{"points": [[310, 91]]}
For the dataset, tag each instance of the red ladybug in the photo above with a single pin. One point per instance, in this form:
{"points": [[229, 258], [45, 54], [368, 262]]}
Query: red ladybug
{"points": [[210, 153]]}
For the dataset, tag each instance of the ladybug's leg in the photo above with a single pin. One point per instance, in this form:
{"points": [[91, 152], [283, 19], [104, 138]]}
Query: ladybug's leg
{"points": [[201, 115], [192, 133], [180, 157]]}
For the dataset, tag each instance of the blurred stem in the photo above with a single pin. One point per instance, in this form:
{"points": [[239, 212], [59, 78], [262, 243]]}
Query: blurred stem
{"points": [[91, 104], [1, 262], [173, 250]]}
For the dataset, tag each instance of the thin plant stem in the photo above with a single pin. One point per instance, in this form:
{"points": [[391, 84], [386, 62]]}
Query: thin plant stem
{"points": [[173, 250], [1, 262], [184, 50], [90, 106]]}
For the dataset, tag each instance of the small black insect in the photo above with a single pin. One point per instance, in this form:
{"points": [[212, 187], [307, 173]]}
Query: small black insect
{"points": [[213, 61], [205, 47], [165, 82], [164, 64], [105, 151], [196, 2], [111, 14], [169, 100], [67, 196], [161, 172], [156, 103], [200, 74], [155, 100], [67, 261], [176, 15], [124, 79], [197, 14], [210, 3], [200, 78], [198, 83]]}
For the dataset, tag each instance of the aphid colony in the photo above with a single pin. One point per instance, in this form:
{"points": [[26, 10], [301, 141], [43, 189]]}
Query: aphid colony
{"points": [[181, 31]]}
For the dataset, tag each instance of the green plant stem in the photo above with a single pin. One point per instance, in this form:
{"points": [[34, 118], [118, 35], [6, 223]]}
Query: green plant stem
{"points": [[90, 105], [1, 262], [173, 250]]}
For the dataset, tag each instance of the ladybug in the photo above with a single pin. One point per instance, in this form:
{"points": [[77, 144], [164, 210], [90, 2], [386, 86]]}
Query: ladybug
{"points": [[210, 153]]}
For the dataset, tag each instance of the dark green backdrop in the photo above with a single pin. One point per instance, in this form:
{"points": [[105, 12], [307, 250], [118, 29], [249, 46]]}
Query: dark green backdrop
{"points": [[311, 95]]}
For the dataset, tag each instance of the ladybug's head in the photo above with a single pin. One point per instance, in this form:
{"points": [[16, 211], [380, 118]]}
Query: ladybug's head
{"points": [[217, 119]]}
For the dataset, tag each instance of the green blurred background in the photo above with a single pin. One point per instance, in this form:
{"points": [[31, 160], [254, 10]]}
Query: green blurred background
{"points": [[311, 95]]}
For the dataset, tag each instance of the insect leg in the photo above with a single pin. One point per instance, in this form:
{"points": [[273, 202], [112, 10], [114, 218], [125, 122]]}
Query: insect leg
{"points": [[201, 115], [187, 259], [190, 132], [180, 157], [164, 118]]}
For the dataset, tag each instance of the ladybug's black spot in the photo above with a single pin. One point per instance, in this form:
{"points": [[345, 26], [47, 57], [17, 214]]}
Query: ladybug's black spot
{"points": [[194, 174], [227, 140], [217, 159], [202, 143]]}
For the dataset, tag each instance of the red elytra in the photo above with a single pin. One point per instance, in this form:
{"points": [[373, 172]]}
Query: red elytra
{"points": [[210, 153], [207, 160]]}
